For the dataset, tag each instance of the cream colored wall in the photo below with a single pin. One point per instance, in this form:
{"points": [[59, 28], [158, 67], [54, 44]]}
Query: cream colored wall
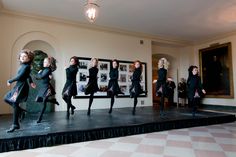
{"points": [[232, 39], [68, 40]]}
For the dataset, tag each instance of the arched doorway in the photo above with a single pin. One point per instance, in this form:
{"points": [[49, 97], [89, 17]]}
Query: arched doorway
{"points": [[41, 49]]}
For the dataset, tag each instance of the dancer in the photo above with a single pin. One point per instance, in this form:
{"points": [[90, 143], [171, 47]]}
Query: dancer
{"points": [[161, 82], [194, 88], [20, 91], [92, 86], [113, 86], [47, 90], [70, 89], [135, 88]]}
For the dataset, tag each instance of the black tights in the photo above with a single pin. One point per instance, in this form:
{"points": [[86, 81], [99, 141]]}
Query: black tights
{"points": [[16, 110], [54, 101], [135, 103], [90, 103], [162, 101], [67, 99], [112, 102]]}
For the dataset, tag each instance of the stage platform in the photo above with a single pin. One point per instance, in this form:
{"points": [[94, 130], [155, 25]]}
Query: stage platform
{"points": [[55, 129]]}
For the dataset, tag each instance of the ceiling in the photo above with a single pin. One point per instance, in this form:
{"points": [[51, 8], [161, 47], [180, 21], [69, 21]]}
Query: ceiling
{"points": [[190, 20]]}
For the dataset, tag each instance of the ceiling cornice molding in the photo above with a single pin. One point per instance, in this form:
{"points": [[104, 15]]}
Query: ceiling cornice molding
{"points": [[160, 39], [218, 37]]}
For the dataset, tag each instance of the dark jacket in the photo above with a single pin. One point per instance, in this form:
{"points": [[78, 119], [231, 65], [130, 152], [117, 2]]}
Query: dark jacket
{"points": [[182, 87], [21, 90], [161, 81], [113, 82], [70, 88], [46, 89], [92, 86], [136, 78], [194, 85]]}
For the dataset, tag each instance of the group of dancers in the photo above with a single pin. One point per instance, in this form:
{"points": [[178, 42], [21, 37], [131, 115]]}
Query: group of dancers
{"points": [[194, 86], [20, 91]]}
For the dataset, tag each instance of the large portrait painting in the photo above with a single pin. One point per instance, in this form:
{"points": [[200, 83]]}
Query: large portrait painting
{"points": [[216, 71], [104, 66]]}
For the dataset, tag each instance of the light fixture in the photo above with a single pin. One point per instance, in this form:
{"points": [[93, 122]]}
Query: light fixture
{"points": [[91, 11]]}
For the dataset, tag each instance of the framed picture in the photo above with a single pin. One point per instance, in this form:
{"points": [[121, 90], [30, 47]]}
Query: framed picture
{"points": [[216, 71], [104, 66]]}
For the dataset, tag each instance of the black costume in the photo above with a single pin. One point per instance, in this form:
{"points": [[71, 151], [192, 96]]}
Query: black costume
{"points": [[92, 86], [194, 91], [182, 90], [45, 91], [170, 86], [136, 89], [70, 88], [161, 87], [19, 93], [113, 86]]}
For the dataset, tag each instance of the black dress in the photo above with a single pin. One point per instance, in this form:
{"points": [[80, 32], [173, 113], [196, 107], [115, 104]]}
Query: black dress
{"points": [[161, 82], [113, 85], [136, 89], [70, 88], [47, 89], [92, 86], [194, 87], [182, 90], [20, 91]]}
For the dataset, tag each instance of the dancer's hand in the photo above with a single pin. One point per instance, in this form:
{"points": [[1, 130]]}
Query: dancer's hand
{"points": [[203, 91], [50, 76], [33, 85], [8, 84]]}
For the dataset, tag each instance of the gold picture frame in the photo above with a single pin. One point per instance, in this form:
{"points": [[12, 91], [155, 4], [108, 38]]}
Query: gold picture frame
{"points": [[217, 71]]}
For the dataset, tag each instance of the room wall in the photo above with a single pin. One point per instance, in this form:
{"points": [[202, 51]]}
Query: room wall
{"points": [[68, 40], [230, 38]]}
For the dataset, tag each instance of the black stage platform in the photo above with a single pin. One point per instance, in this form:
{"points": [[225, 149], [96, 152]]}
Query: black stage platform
{"points": [[55, 129]]}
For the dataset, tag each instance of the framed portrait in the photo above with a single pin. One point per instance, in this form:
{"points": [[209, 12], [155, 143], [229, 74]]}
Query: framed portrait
{"points": [[104, 66], [216, 71]]}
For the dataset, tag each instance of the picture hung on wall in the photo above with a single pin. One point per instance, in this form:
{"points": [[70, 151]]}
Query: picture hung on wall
{"points": [[216, 71], [104, 66]]}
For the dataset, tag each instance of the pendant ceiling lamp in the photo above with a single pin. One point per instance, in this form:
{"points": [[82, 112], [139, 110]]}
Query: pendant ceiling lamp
{"points": [[91, 10]]}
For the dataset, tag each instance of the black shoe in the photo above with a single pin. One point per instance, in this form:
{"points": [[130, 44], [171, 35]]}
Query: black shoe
{"points": [[133, 112], [131, 94], [13, 128], [57, 103], [110, 111], [73, 109], [39, 120], [88, 113]]}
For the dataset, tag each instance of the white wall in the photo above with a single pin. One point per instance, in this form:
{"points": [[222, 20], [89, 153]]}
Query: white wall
{"points": [[68, 40]]}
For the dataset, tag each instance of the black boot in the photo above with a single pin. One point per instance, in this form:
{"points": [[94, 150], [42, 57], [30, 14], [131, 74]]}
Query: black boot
{"points": [[13, 128], [73, 109], [39, 120], [110, 111], [88, 113]]}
